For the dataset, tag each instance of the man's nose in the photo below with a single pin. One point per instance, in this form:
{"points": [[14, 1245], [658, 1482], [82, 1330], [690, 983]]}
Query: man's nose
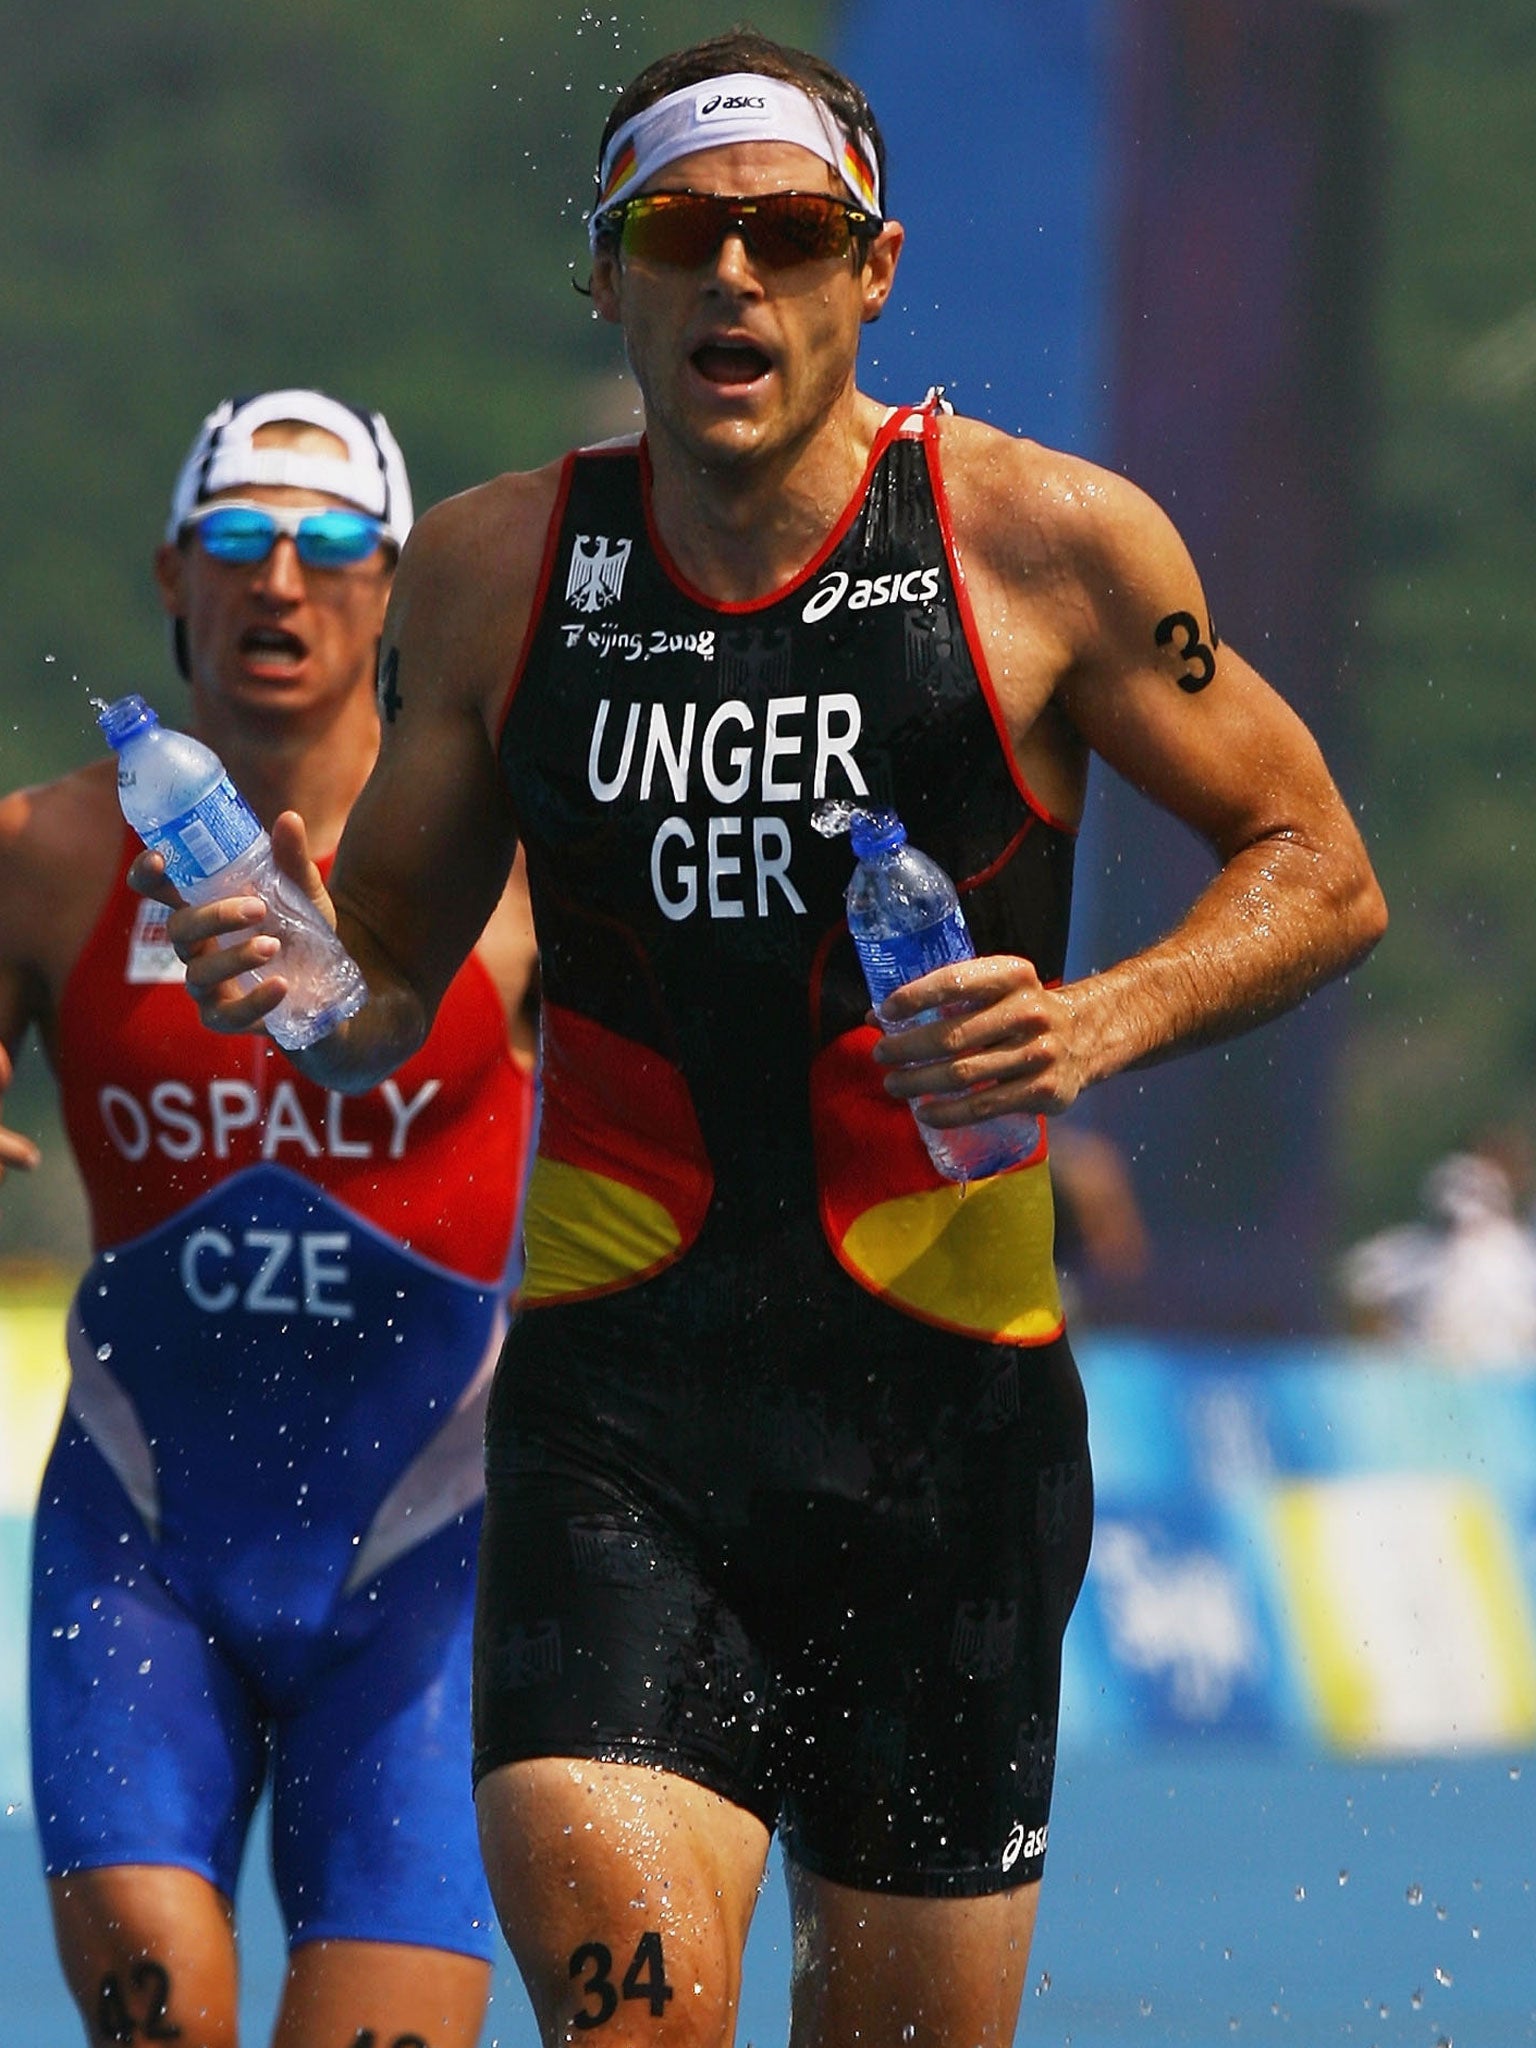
{"points": [[281, 576], [733, 265]]}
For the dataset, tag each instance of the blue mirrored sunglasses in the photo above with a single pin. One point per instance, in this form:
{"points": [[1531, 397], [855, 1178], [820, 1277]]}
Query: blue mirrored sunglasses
{"points": [[329, 537]]}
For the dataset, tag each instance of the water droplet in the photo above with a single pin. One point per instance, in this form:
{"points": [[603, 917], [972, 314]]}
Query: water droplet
{"points": [[103, 1352], [1414, 1895], [1443, 1977], [1300, 1892], [1044, 1985], [1343, 1877], [1417, 2001]]}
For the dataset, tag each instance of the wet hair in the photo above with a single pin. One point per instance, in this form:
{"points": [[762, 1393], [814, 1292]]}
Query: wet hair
{"points": [[745, 49]]}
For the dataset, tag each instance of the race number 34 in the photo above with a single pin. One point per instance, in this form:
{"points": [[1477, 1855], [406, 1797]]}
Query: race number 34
{"points": [[645, 1978]]}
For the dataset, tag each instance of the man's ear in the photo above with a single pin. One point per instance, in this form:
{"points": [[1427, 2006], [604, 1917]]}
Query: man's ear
{"points": [[605, 284], [170, 564], [880, 268]]}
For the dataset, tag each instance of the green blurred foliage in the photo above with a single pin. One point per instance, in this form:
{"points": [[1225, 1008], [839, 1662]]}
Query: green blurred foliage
{"points": [[204, 199], [1443, 1043]]}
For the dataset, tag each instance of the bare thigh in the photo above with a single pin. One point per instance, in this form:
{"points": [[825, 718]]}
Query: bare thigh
{"points": [[149, 1954], [625, 1894], [892, 1972]]}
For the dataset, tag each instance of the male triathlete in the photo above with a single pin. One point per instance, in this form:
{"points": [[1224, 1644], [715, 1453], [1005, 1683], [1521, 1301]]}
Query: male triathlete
{"points": [[788, 1489], [254, 1546]]}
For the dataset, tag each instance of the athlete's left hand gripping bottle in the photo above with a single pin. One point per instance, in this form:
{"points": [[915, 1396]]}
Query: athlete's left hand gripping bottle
{"points": [[176, 796], [905, 916]]}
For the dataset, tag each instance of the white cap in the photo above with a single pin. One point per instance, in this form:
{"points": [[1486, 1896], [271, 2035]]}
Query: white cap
{"points": [[371, 475]]}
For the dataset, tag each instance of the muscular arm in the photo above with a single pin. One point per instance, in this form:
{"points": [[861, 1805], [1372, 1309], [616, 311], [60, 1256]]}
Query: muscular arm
{"points": [[1293, 901], [1118, 654]]}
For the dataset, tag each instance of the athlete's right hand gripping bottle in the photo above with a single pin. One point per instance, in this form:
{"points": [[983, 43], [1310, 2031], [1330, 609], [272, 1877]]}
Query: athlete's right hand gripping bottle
{"points": [[905, 917], [176, 796]]}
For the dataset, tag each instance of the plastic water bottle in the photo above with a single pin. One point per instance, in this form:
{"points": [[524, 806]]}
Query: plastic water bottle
{"points": [[905, 917], [177, 797]]}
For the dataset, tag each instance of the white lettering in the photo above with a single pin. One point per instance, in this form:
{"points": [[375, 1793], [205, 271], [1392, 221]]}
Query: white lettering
{"points": [[606, 788], [173, 1103], [912, 586], [175, 1122], [839, 722], [403, 1113], [207, 1254], [201, 1297], [320, 1272], [287, 1124], [721, 865], [732, 711], [674, 760], [686, 875], [232, 1106], [259, 1299], [127, 1125], [776, 744], [770, 849]]}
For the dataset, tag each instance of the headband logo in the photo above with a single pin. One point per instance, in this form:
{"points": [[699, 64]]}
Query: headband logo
{"points": [[732, 103]]}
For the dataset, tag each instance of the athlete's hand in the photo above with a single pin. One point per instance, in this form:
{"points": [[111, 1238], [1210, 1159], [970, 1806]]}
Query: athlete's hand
{"points": [[221, 943], [1003, 1043], [17, 1153]]}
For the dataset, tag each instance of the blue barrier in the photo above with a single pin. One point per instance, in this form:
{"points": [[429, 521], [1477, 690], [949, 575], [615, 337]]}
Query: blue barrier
{"points": [[1330, 1545]]}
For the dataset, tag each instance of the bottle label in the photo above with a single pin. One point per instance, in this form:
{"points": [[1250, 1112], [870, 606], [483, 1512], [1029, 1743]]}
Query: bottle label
{"points": [[890, 963], [207, 838]]}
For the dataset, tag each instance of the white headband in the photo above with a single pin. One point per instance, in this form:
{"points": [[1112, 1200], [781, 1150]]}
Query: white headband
{"points": [[744, 107], [225, 457]]}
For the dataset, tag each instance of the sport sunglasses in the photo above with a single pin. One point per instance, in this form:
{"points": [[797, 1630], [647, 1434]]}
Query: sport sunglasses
{"points": [[330, 538], [685, 229]]}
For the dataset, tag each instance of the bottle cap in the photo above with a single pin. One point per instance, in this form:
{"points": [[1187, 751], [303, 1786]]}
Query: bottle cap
{"points": [[874, 832], [125, 718]]}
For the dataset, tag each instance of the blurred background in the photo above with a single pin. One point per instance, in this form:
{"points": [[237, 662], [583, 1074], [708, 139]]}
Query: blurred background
{"points": [[1275, 260]]}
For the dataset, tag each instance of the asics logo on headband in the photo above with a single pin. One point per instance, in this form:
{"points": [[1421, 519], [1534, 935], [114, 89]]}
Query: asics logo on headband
{"points": [[733, 103]]}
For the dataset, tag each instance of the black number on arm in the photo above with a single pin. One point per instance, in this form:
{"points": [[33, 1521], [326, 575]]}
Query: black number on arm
{"points": [[645, 1978], [1191, 647], [391, 703]]}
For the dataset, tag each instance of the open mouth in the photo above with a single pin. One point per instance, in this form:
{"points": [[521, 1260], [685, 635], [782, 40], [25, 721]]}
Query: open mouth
{"points": [[271, 647], [730, 362]]}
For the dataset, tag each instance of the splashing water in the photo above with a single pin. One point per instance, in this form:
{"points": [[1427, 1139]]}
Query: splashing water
{"points": [[833, 815]]}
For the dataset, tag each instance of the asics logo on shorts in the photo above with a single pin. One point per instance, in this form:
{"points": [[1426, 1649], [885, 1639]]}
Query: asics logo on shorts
{"points": [[1028, 1843]]}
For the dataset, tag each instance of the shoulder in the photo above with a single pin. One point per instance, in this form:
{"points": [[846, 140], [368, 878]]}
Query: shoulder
{"points": [[484, 545], [60, 844], [469, 576], [1019, 504]]}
